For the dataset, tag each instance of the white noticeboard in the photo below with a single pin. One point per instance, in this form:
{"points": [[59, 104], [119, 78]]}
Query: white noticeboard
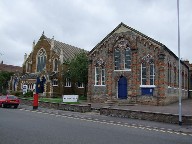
{"points": [[25, 87], [70, 98]]}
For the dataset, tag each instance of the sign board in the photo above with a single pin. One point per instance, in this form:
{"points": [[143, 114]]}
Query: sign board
{"points": [[70, 98], [25, 87]]}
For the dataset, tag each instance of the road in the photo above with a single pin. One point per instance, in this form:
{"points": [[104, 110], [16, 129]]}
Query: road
{"points": [[21, 126]]}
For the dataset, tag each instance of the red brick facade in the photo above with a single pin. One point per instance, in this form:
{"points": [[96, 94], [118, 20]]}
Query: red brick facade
{"points": [[53, 69]]}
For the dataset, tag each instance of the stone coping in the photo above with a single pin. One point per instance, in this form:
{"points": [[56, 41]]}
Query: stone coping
{"points": [[145, 115]]}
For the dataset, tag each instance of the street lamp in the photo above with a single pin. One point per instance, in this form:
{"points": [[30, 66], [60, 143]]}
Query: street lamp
{"points": [[180, 113]]}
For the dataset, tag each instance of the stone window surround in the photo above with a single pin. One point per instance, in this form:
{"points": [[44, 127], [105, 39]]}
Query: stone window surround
{"points": [[99, 76], [41, 53], [118, 59], [148, 61]]}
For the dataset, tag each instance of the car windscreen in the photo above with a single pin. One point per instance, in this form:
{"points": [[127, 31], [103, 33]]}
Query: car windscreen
{"points": [[2, 97], [11, 97]]}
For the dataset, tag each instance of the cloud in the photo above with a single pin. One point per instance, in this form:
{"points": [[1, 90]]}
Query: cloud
{"points": [[84, 23]]}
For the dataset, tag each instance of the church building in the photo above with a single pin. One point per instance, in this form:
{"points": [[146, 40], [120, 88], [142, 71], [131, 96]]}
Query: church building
{"points": [[128, 66], [46, 61]]}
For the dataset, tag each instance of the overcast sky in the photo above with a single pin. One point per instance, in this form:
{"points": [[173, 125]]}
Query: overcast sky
{"points": [[84, 23]]}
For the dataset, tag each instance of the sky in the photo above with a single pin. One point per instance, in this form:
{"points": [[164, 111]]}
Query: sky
{"points": [[84, 23]]}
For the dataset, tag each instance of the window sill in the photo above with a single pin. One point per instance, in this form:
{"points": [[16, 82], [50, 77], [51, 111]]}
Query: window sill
{"points": [[147, 86], [99, 85], [55, 85], [122, 70], [67, 86]]}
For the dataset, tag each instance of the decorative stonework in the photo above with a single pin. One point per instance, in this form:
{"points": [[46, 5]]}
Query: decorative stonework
{"points": [[99, 63], [147, 59]]}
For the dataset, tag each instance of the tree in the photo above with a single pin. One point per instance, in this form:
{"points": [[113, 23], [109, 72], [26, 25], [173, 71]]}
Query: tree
{"points": [[4, 78], [78, 69]]}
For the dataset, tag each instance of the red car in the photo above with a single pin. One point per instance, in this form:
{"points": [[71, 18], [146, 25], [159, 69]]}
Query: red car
{"points": [[9, 100]]}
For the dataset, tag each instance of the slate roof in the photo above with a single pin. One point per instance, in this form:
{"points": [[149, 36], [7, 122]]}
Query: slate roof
{"points": [[69, 51], [10, 68]]}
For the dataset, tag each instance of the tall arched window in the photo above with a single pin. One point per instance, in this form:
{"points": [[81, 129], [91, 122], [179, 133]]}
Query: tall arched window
{"points": [[144, 74], [41, 60], [127, 58], [152, 74], [175, 76], [117, 58], [55, 63], [147, 71]]}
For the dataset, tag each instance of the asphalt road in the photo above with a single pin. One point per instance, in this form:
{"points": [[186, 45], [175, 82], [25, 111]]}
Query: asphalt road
{"points": [[19, 126]]}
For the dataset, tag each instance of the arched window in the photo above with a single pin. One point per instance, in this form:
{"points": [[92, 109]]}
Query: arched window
{"points": [[41, 60], [183, 80], [144, 74], [117, 58], [175, 76], [147, 71], [169, 75], [127, 58], [152, 74], [55, 64]]}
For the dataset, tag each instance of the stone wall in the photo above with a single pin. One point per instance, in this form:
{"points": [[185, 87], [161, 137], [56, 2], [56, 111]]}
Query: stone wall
{"points": [[60, 106], [145, 115]]}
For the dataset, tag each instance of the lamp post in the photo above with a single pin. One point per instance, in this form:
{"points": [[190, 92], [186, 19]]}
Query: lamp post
{"points": [[180, 113]]}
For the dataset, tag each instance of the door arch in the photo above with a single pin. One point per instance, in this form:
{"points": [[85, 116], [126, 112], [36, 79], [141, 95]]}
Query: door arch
{"points": [[122, 88]]}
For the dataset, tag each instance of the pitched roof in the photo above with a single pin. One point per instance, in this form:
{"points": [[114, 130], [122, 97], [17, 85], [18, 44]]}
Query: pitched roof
{"points": [[10, 68], [67, 50]]}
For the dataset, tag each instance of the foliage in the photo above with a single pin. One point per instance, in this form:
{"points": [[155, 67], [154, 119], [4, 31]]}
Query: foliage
{"points": [[4, 78], [78, 69], [28, 94], [56, 100], [17, 93], [82, 97]]}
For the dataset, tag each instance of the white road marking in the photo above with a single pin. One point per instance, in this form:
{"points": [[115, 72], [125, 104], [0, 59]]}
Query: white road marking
{"points": [[112, 122]]}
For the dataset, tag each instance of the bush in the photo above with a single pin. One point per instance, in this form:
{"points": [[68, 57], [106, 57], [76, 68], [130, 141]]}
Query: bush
{"points": [[17, 93], [82, 97], [28, 94]]}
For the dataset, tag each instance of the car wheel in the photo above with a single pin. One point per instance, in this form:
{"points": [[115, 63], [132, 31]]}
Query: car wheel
{"points": [[15, 106]]}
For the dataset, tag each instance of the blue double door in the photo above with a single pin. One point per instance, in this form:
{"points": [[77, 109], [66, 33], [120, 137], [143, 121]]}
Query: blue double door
{"points": [[122, 88]]}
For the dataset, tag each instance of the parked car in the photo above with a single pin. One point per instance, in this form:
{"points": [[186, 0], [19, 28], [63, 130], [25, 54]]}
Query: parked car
{"points": [[9, 100]]}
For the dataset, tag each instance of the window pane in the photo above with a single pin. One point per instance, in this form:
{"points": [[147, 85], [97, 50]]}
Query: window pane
{"points": [[144, 74], [117, 58], [103, 77], [143, 81], [127, 58]]}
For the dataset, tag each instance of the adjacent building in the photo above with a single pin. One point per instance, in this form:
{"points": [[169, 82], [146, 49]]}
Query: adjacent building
{"points": [[129, 66], [46, 61]]}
